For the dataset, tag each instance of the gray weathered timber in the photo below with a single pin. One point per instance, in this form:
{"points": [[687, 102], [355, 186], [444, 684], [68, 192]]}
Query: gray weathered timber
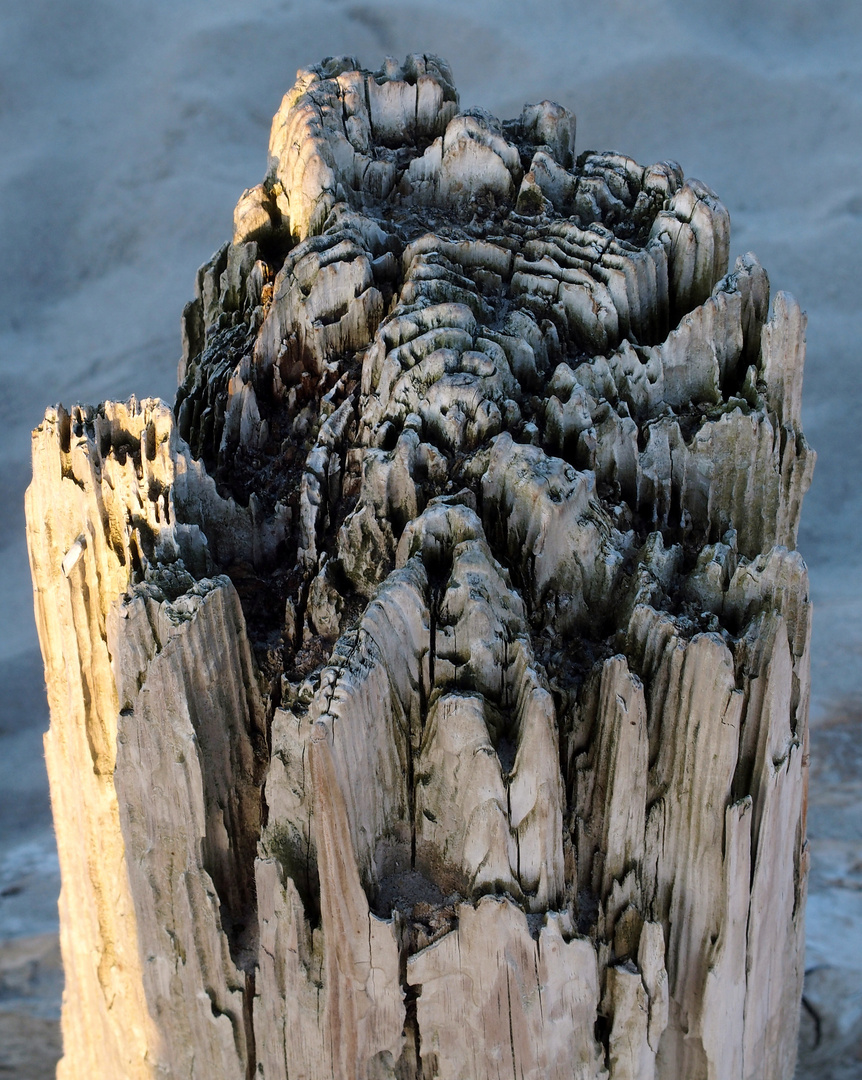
{"points": [[429, 686]]}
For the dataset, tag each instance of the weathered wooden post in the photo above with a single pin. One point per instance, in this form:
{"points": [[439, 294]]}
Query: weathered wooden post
{"points": [[429, 687]]}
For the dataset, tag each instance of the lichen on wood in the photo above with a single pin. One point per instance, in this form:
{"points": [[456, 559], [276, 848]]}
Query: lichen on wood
{"points": [[429, 685]]}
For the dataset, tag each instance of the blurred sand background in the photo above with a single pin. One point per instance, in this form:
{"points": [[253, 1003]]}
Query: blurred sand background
{"points": [[127, 132]]}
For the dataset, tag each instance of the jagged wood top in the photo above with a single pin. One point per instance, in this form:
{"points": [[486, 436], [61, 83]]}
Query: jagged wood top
{"points": [[410, 279]]}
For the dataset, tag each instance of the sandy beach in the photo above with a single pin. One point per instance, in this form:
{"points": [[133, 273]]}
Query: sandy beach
{"points": [[127, 132]]}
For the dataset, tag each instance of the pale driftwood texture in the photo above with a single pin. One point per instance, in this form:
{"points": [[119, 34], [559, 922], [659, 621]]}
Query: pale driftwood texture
{"points": [[429, 688]]}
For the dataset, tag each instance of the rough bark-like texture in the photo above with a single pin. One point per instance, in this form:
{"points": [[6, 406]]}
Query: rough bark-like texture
{"points": [[429, 687]]}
